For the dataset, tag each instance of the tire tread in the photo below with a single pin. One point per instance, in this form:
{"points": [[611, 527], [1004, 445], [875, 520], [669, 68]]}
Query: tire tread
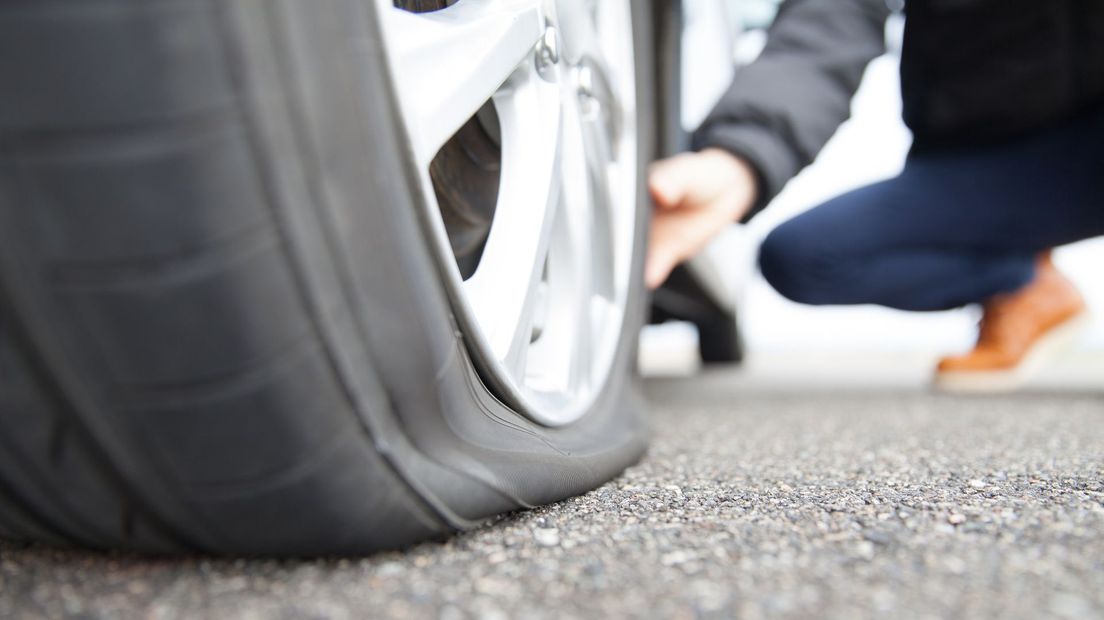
{"points": [[137, 224]]}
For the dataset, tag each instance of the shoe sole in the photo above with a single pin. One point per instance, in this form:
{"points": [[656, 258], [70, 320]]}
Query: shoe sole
{"points": [[1007, 380]]}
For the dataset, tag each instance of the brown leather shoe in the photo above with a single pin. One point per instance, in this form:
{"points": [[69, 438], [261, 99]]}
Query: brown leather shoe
{"points": [[1018, 333]]}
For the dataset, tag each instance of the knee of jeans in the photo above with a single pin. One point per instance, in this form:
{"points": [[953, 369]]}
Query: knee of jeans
{"points": [[795, 265]]}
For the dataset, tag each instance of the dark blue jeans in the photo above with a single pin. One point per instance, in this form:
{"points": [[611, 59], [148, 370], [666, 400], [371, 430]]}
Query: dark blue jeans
{"points": [[953, 228]]}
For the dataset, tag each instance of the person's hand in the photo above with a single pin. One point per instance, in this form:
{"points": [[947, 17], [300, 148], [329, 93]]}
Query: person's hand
{"points": [[697, 195]]}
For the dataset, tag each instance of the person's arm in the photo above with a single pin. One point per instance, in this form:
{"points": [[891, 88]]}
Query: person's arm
{"points": [[772, 121], [782, 108]]}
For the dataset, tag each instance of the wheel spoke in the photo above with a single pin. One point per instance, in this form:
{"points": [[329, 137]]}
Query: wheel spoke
{"points": [[580, 37], [584, 44], [596, 145], [615, 53], [579, 202], [562, 361], [503, 289], [448, 63]]}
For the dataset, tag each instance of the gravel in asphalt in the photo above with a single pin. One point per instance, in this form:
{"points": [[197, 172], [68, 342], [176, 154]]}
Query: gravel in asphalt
{"points": [[752, 503]]}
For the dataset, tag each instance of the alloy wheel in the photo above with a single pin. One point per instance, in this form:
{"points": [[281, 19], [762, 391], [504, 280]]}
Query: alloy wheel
{"points": [[537, 249]]}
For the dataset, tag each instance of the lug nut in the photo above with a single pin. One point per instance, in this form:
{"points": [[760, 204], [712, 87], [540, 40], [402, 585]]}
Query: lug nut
{"points": [[588, 99], [586, 81], [548, 53]]}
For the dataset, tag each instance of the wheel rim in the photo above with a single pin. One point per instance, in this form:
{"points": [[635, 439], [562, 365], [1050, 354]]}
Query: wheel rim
{"points": [[542, 311]]}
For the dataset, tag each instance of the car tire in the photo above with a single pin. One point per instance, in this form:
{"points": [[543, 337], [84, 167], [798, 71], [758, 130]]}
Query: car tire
{"points": [[222, 325]]}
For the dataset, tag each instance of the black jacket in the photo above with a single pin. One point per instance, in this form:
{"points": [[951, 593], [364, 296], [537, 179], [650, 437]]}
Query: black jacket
{"points": [[973, 72]]}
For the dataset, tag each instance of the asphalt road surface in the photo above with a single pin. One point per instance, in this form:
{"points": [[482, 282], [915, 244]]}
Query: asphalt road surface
{"points": [[755, 501]]}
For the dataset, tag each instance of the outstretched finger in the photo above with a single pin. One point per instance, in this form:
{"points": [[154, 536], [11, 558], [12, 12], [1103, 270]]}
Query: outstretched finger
{"points": [[665, 249], [656, 269], [667, 182]]}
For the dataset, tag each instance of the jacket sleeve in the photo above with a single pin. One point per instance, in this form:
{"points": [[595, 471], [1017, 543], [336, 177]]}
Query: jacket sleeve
{"points": [[782, 108]]}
